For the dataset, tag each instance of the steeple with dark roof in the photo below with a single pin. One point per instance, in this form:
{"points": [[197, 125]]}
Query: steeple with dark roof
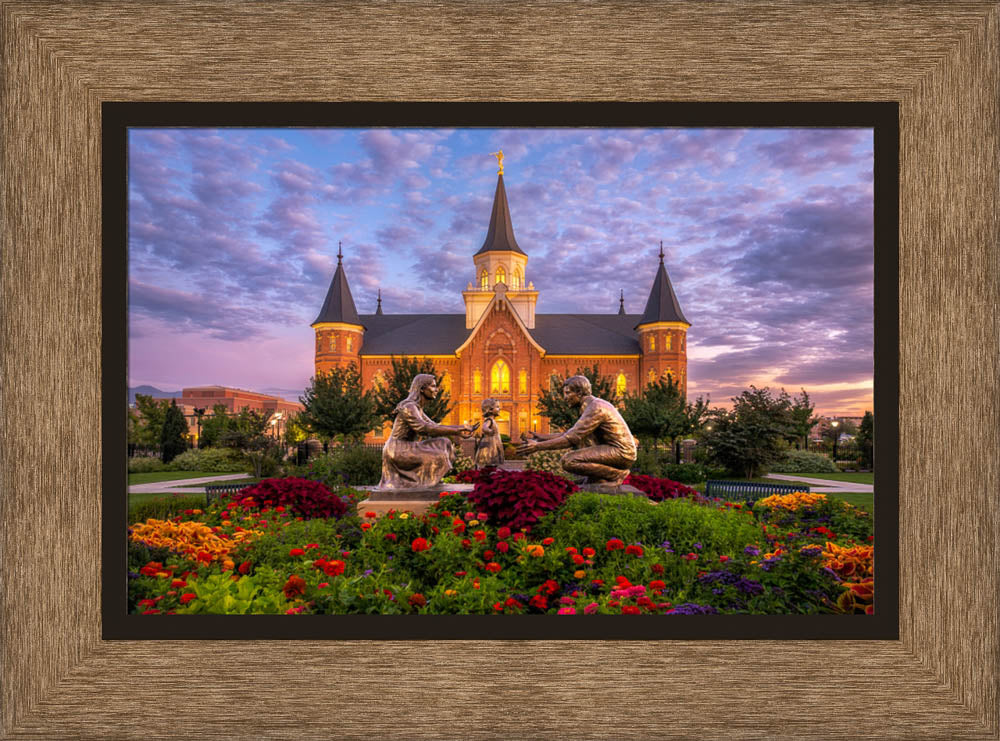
{"points": [[500, 236], [378, 311], [621, 304], [662, 305], [339, 304]]}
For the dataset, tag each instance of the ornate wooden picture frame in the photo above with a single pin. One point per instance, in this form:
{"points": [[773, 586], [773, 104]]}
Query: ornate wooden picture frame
{"points": [[62, 62]]}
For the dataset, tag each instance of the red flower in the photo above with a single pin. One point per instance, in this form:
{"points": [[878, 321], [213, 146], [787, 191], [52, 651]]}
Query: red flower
{"points": [[323, 584], [333, 568], [417, 600], [503, 533], [366, 526], [296, 552], [371, 515], [498, 606], [613, 603], [479, 535], [245, 567], [147, 602], [503, 546], [548, 541], [723, 559], [204, 556], [488, 555], [634, 550], [630, 610], [657, 568], [185, 598], [461, 573], [294, 587], [657, 584], [540, 601], [519, 536], [466, 543], [645, 601], [150, 612], [588, 552], [690, 556], [570, 549], [578, 559], [391, 536], [615, 544], [420, 544], [494, 567], [549, 587], [178, 583], [622, 582]]}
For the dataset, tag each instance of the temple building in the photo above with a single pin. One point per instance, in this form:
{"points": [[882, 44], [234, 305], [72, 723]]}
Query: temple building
{"points": [[502, 347]]}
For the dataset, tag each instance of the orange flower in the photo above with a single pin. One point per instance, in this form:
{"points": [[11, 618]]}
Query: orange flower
{"points": [[534, 550], [294, 587]]}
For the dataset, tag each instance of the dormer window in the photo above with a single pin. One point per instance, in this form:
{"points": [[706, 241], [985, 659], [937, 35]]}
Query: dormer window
{"points": [[501, 275]]}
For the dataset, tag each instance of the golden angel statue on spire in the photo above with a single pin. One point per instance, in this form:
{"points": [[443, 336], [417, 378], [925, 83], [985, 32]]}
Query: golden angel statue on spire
{"points": [[499, 155]]}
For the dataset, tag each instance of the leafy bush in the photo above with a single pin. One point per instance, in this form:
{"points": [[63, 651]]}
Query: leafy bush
{"points": [[517, 499], [462, 463], [352, 465], [804, 461], [660, 489], [165, 508], [549, 461], [141, 464], [210, 460], [307, 498], [651, 461]]}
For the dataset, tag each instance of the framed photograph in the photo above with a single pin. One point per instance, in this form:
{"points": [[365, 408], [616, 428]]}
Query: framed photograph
{"points": [[769, 213], [65, 676]]}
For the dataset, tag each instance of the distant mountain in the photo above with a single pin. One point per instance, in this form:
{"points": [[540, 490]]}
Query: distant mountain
{"points": [[151, 391]]}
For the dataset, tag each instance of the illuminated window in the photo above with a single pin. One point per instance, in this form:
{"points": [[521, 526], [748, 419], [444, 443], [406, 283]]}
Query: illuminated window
{"points": [[446, 381], [682, 342], [669, 339], [522, 422], [522, 382], [477, 382], [652, 376], [350, 343], [621, 384], [517, 279], [378, 380], [668, 376], [500, 378], [652, 343], [333, 343], [484, 279], [501, 275]]}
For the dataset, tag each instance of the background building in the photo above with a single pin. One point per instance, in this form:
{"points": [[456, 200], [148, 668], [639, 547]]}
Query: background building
{"points": [[501, 347], [234, 400]]}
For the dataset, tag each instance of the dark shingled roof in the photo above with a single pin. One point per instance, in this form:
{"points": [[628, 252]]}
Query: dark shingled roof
{"points": [[662, 305], [500, 236], [339, 304], [442, 334]]}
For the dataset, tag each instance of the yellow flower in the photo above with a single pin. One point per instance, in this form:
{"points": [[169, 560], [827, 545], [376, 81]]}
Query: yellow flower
{"points": [[450, 593], [404, 515], [473, 522]]}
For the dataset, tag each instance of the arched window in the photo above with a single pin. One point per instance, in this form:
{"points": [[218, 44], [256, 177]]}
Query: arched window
{"points": [[350, 343], [522, 381], [652, 376], [500, 378], [668, 342], [517, 279], [378, 380], [652, 343], [446, 381], [484, 279], [333, 343], [477, 382], [501, 274], [621, 384]]}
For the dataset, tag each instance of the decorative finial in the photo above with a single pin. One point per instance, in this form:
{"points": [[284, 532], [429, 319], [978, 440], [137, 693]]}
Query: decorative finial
{"points": [[661, 252], [379, 309], [499, 155], [340, 253], [621, 302]]}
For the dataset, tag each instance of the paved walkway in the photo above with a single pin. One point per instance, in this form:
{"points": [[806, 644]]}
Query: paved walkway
{"points": [[824, 486], [183, 486]]}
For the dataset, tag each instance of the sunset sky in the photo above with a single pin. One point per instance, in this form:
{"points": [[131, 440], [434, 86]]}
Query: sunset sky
{"points": [[768, 236]]}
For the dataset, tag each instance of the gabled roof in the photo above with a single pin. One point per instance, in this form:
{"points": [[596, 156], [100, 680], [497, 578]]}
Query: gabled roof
{"points": [[500, 235], [662, 305], [339, 304], [413, 334], [587, 334]]}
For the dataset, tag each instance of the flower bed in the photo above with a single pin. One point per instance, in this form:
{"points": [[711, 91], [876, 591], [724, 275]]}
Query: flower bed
{"points": [[578, 553]]}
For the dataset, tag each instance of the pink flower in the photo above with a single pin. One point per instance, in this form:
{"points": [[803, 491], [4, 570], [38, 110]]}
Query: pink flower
{"points": [[566, 611], [590, 609]]}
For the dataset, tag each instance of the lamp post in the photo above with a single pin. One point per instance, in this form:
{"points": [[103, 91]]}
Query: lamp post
{"points": [[835, 424]]}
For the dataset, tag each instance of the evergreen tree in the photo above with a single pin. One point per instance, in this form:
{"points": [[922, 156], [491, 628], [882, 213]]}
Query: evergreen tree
{"points": [[866, 440], [802, 419], [750, 436], [396, 387], [661, 412], [335, 405], [246, 431], [561, 415], [173, 435]]}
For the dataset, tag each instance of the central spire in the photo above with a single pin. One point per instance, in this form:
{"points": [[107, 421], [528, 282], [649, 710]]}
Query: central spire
{"points": [[500, 236]]}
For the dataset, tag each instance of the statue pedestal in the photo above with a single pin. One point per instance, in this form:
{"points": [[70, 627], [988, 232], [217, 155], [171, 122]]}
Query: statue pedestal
{"points": [[416, 501]]}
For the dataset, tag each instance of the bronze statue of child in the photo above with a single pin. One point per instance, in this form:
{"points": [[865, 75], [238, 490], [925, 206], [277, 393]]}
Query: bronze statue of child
{"points": [[489, 446]]}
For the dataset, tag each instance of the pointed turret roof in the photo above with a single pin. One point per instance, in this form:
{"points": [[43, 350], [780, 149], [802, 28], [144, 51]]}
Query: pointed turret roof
{"points": [[339, 304], [662, 305], [621, 304], [500, 237]]}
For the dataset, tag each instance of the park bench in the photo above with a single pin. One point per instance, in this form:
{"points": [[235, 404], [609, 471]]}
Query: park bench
{"points": [[748, 491], [214, 490]]}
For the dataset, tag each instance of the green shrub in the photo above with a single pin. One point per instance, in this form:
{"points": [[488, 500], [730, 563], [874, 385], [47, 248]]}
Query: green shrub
{"points": [[804, 461], [685, 473], [168, 506], [146, 465], [353, 465], [549, 461], [462, 463], [210, 460], [651, 461]]}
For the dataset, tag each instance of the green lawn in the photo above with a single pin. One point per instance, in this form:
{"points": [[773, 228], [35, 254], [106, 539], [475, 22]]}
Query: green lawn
{"points": [[157, 476], [861, 500], [854, 478]]}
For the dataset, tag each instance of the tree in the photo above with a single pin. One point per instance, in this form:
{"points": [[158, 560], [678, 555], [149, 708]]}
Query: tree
{"points": [[561, 415], [336, 405], [247, 432], [750, 436], [214, 426], [866, 440], [173, 435], [802, 419], [660, 411], [396, 387], [152, 413]]}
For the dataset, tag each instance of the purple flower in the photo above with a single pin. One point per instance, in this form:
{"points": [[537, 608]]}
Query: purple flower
{"points": [[751, 550], [690, 608], [369, 572], [698, 546]]}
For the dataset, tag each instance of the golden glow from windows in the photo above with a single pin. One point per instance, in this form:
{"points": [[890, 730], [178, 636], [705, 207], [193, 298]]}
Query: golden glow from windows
{"points": [[446, 381], [518, 279], [652, 343], [378, 380], [669, 341], [652, 376], [333, 343], [501, 275], [500, 378], [484, 279], [477, 382], [350, 343], [621, 384], [522, 381]]}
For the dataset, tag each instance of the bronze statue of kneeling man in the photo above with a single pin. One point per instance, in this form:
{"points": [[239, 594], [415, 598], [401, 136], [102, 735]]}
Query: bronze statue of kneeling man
{"points": [[605, 446], [409, 462]]}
